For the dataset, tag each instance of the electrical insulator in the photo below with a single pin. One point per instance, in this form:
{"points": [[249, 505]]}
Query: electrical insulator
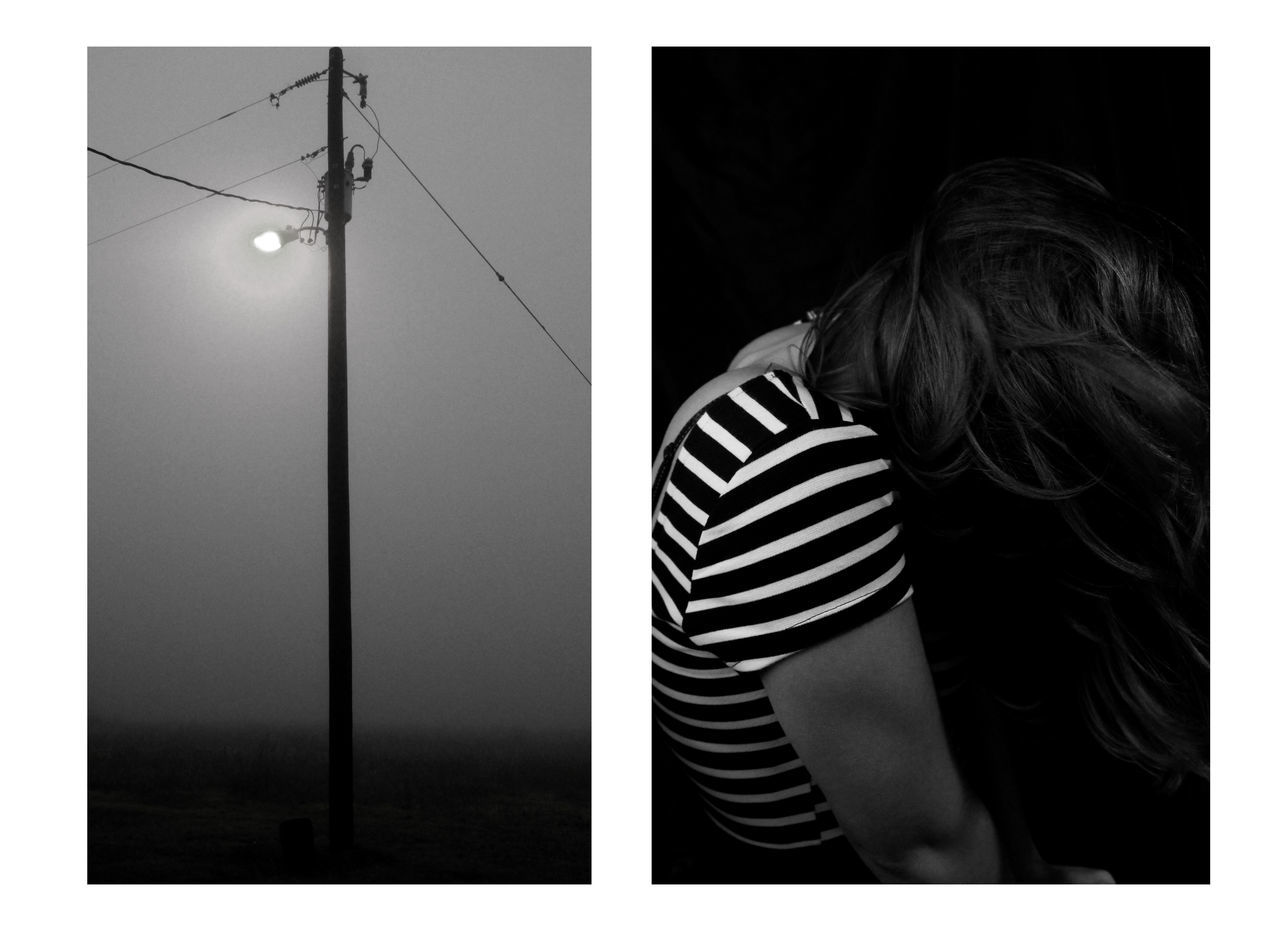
{"points": [[367, 167]]}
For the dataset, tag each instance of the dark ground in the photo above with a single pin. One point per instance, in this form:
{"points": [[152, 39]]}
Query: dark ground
{"points": [[196, 805]]}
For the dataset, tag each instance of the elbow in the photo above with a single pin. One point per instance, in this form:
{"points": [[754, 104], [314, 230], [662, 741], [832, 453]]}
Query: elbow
{"points": [[960, 846]]}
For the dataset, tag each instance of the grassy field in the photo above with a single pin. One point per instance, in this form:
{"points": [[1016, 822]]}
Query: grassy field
{"points": [[169, 804]]}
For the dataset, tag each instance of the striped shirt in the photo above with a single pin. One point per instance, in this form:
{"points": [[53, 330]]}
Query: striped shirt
{"points": [[777, 530]]}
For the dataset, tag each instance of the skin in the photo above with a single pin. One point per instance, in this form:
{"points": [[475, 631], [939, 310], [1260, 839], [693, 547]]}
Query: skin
{"points": [[861, 711], [780, 348]]}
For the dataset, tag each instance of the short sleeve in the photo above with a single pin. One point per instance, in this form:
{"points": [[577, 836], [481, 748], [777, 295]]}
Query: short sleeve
{"points": [[803, 543]]}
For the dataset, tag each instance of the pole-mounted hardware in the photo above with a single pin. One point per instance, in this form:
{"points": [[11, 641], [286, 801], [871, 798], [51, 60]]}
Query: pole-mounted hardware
{"points": [[363, 81], [313, 76], [348, 186]]}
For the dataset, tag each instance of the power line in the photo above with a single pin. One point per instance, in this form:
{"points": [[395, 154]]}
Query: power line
{"points": [[198, 187], [187, 133], [274, 98], [436, 200], [304, 159]]}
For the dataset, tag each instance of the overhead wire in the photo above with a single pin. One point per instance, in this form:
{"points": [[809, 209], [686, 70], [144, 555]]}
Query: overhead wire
{"points": [[274, 98], [198, 187], [303, 159], [187, 133], [501, 278], [377, 129]]}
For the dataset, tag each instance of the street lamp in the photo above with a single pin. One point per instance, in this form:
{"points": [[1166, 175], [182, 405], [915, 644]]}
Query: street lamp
{"points": [[272, 240]]}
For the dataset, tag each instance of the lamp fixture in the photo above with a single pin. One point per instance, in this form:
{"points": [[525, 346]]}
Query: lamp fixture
{"points": [[273, 240]]}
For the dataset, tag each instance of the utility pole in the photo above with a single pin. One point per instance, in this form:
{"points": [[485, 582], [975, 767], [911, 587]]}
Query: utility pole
{"points": [[341, 766]]}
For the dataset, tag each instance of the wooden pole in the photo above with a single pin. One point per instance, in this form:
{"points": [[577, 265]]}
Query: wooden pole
{"points": [[341, 766]]}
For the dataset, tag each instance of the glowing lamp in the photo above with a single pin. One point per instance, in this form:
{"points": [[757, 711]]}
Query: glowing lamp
{"points": [[272, 240]]}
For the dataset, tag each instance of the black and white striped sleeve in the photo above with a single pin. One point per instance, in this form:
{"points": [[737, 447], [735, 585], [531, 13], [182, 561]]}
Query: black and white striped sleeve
{"points": [[803, 543]]}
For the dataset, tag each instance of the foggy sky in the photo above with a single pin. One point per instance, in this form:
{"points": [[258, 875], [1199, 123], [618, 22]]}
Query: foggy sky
{"points": [[469, 431]]}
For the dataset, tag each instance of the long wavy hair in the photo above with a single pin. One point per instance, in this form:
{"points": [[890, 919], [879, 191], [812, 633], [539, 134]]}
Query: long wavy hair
{"points": [[1035, 354]]}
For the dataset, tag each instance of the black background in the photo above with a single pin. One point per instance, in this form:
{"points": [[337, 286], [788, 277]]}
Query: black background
{"points": [[780, 173]]}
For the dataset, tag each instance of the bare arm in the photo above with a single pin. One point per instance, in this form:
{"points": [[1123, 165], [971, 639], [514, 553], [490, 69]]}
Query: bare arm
{"points": [[861, 711]]}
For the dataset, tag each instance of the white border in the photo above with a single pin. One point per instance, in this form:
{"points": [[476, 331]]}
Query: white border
{"points": [[44, 383]]}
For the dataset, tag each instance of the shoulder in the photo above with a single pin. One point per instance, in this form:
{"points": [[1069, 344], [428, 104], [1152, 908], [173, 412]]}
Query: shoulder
{"points": [[792, 441], [798, 534], [717, 387], [772, 405]]}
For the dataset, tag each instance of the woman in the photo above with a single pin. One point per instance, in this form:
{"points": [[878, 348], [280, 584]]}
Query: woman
{"points": [[968, 498]]}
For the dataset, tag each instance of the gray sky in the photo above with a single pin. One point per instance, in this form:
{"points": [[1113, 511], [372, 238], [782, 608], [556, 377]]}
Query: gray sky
{"points": [[469, 431]]}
